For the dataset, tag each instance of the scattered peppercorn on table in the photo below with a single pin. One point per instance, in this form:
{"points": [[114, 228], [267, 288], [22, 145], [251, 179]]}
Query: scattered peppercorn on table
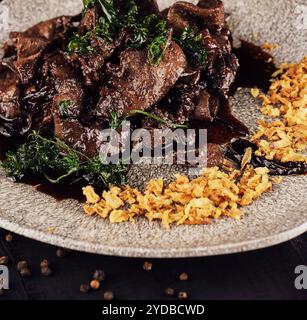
{"points": [[85, 276]]}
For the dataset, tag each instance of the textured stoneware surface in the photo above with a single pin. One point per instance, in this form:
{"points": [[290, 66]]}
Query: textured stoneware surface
{"points": [[275, 218]]}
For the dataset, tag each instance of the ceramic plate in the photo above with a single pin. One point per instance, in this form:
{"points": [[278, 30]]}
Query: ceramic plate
{"points": [[277, 217]]}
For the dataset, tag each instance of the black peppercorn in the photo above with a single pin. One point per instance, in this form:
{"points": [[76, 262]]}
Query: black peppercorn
{"points": [[169, 291], [182, 295], [108, 295], [85, 288], [22, 265], [99, 275], [44, 264], [46, 271], [147, 266], [95, 284], [9, 237], [25, 272], [4, 260], [60, 253], [183, 276]]}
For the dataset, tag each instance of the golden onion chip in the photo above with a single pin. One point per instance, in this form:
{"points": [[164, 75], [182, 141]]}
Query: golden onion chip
{"points": [[285, 137], [212, 195]]}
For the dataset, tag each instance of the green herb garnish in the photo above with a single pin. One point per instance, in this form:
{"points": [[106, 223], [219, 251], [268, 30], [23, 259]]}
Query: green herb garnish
{"points": [[44, 156], [87, 4], [156, 49], [107, 27], [153, 32], [64, 106], [130, 13], [116, 121], [190, 42], [156, 118], [80, 44], [104, 30], [107, 7]]}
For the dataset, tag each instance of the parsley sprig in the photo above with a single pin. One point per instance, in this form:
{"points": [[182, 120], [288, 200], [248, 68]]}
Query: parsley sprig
{"points": [[151, 32], [116, 121], [190, 41], [57, 162]]}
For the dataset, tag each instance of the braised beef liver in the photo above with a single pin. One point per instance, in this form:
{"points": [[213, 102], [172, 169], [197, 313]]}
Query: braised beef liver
{"points": [[37, 75]]}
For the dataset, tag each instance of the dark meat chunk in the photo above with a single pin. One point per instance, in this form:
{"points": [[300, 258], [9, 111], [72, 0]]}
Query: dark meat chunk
{"points": [[223, 40], [9, 93], [67, 85], [212, 48], [223, 73], [213, 13], [89, 20], [13, 120], [215, 155], [37, 101], [92, 63], [181, 101], [17, 126], [29, 52], [140, 84], [191, 76], [147, 7], [221, 65], [33, 43], [206, 107], [192, 101], [8, 50], [37, 96], [91, 66], [207, 14], [185, 100], [44, 117], [195, 102], [67, 127], [81, 138], [202, 109]]}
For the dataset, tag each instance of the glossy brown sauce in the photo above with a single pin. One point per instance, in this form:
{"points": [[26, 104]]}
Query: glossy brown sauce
{"points": [[255, 70], [256, 67], [3, 148], [60, 191], [224, 128]]}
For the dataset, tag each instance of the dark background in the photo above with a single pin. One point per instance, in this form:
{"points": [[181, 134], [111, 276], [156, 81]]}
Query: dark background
{"points": [[263, 274]]}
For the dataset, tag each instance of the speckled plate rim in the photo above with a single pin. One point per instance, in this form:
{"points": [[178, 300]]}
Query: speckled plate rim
{"points": [[136, 252]]}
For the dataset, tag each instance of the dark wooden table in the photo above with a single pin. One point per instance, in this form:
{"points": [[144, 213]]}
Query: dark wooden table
{"points": [[263, 274]]}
